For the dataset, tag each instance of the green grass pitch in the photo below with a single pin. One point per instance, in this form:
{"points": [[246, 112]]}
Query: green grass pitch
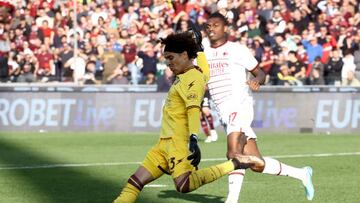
{"points": [[93, 167]]}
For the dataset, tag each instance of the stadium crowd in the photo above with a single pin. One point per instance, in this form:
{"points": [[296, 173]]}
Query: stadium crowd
{"points": [[297, 42]]}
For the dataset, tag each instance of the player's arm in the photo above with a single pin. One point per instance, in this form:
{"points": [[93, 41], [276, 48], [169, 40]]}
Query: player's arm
{"points": [[201, 58], [252, 65], [192, 90], [203, 64], [193, 113], [259, 78], [259, 75]]}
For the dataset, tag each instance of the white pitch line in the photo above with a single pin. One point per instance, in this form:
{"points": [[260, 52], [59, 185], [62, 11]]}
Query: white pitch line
{"points": [[46, 166]]}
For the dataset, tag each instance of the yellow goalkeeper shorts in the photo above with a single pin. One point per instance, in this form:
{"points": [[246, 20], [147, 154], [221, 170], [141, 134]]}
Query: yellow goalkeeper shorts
{"points": [[168, 156]]}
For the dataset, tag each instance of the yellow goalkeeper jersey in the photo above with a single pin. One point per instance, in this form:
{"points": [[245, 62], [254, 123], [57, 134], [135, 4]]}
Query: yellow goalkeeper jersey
{"points": [[186, 92]]}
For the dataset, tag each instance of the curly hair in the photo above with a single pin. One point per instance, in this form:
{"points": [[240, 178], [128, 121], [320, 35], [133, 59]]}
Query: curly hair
{"points": [[180, 42], [220, 16]]}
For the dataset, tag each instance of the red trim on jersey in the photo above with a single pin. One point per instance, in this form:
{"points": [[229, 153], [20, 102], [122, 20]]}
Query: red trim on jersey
{"points": [[219, 45], [216, 59], [226, 85], [223, 97], [280, 169], [213, 95], [217, 104], [225, 79], [236, 173], [219, 75]]}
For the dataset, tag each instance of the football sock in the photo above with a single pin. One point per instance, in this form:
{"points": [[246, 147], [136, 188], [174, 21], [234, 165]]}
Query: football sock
{"points": [[130, 192], [207, 175], [275, 167], [204, 126], [236, 178], [210, 121]]}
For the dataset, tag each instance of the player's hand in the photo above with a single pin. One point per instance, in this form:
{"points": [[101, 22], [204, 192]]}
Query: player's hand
{"points": [[195, 155], [253, 84], [197, 37]]}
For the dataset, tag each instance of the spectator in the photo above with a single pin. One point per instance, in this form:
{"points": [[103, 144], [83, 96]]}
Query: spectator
{"points": [[111, 60], [89, 76], [165, 81], [348, 69], [333, 68], [254, 29], [149, 57], [129, 51], [99, 13], [279, 22], [46, 30], [267, 59], [24, 26], [299, 21], [335, 24], [42, 16], [265, 9], [13, 66], [45, 67], [317, 72], [357, 62], [313, 48], [118, 77], [297, 69], [27, 74], [276, 69], [328, 46], [129, 17], [285, 78], [19, 39], [4, 69], [77, 64], [65, 53]]}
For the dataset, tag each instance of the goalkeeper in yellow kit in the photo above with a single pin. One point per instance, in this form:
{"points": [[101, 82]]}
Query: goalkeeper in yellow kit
{"points": [[177, 153]]}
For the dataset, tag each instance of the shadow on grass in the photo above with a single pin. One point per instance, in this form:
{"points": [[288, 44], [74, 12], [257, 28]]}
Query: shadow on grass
{"points": [[165, 194], [69, 184], [64, 184]]}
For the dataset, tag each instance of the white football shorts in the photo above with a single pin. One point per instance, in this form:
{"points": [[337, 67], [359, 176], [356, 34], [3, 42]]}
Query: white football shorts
{"points": [[238, 118]]}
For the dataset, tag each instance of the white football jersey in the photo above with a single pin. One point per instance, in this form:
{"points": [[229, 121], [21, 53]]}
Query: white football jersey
{"points": [[228, 64]]}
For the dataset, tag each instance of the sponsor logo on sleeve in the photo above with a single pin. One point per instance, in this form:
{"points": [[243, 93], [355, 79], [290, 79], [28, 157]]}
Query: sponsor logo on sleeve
{"points": [[192, 96]]}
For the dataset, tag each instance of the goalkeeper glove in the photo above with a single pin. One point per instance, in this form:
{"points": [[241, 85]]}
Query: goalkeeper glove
{"points": [[195, 155], [197, 37]]}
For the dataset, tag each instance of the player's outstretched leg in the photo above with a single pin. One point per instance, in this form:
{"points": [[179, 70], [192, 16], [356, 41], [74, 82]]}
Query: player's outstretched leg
{"points": [[309, 187], [235, 180], [275, 167], [236, 142], [192, 180]]}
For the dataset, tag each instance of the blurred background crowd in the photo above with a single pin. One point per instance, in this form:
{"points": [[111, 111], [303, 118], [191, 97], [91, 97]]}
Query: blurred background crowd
{"points": [[297, 42]]}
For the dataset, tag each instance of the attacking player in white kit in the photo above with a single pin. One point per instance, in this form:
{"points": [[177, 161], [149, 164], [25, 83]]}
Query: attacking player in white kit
{"points": [[231, 93]]}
